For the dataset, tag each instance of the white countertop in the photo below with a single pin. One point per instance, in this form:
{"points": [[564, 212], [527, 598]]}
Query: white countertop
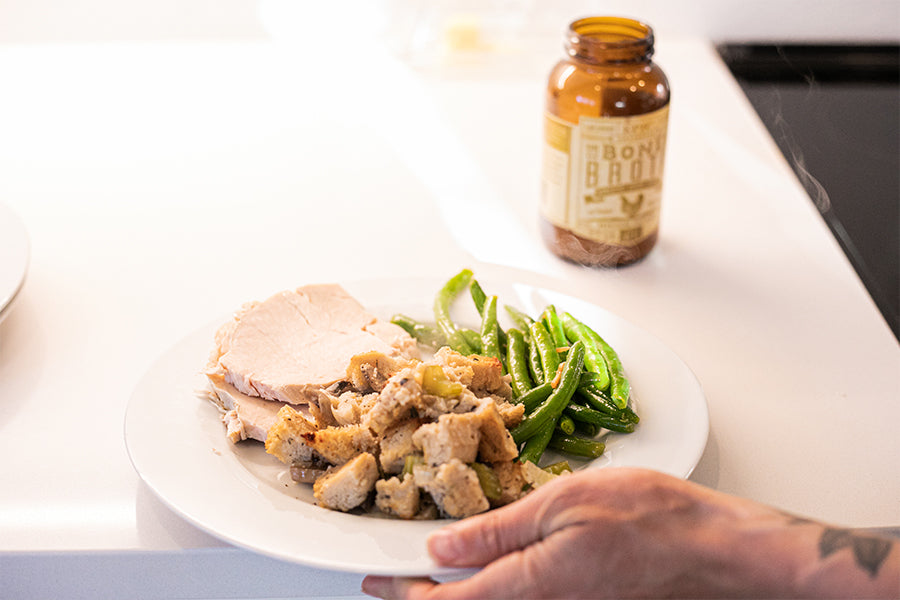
{"points": [[163, 182]]}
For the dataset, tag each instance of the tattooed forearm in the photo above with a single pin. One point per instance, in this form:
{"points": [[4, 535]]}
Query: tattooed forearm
{"points": [[869, 552]]}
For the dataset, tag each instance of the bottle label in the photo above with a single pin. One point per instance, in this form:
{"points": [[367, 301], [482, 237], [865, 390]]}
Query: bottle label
{"points": [[602, 177]]}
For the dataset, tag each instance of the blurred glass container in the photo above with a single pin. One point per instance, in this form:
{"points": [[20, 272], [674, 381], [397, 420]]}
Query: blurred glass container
{"points": [[605, 126]]}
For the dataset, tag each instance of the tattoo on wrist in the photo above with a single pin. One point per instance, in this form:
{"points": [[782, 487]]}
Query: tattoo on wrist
{"points": [[869, 552]]}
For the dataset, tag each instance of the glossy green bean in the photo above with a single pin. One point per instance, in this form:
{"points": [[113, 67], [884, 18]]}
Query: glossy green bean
{"points": [[546, 350], [425, 334], [522, 320], [535, 445], [590, 393], [517, 363], [478, 295], [479, 298], [553, 324], [473, 339], [601, 400], [490, 336], [578, 412], [619, 386], [575, 445], [535, 397], [566, 424], [442, 302], [534, 363], [593, 360], [589, 430], [551, 408]]}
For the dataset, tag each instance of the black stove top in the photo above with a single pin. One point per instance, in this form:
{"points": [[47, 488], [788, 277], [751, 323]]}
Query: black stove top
{"points": [[834, 112]]}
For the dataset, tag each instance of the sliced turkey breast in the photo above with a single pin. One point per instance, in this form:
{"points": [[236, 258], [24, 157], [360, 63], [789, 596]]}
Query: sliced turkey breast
{"points": [[300, 341], [245, 417]]}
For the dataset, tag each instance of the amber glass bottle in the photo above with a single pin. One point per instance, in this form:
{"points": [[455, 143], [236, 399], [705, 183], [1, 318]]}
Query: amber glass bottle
{"points": [[605, 123]]}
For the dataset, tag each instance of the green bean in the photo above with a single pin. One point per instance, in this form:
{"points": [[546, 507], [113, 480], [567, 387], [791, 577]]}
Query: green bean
{"points": [[589, 391], [566, 424], [600, 400], [425, 334], [490, 340], [517, 363], [473, 338], [478, 295], [593, 359], [551, 408], [522, 320], [442, 301], [589, 430], [535, 445], [619, 387], [589, 415], [534, 397], [479, 298], [490, 483], [629, 415], [576, 445], [534, 363], [546, 349], [551, 321]]}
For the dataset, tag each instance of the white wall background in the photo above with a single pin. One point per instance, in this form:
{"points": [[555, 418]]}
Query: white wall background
{"points": [[718, 20]]}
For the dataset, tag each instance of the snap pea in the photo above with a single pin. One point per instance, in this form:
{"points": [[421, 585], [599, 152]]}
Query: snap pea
{"points": [[619, 387], [575, 445], [535, 445], [478, 295], [425, 334], [589, 391], [546, 350], [551, 321], [522, 320], [479, 298], [581, 413], [517, 363], [442, 301], [534, 363], [490, 339], [552, 407], [601, 401], [473, 338], [593, 359]]}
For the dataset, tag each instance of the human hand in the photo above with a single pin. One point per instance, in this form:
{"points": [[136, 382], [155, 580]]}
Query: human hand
{"points": [[638, 533]]}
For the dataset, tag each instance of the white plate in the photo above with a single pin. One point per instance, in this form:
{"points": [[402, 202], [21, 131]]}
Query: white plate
{"points": [[14, 251], [238, 493]]}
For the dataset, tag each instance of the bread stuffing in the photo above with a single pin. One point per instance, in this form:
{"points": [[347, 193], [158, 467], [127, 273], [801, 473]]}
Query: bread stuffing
{"points": [[346, 402]]}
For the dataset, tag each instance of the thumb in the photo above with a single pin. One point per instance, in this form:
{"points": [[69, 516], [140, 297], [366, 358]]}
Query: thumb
{"points": [[477, 541]]}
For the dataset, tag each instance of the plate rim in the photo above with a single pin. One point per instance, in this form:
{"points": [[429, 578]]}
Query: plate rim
{"points": [[18, 245], [426, 566]]}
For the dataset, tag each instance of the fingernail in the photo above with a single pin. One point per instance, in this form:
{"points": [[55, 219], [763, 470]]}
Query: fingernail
{"points": [[375, 586], [442, 545]]}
